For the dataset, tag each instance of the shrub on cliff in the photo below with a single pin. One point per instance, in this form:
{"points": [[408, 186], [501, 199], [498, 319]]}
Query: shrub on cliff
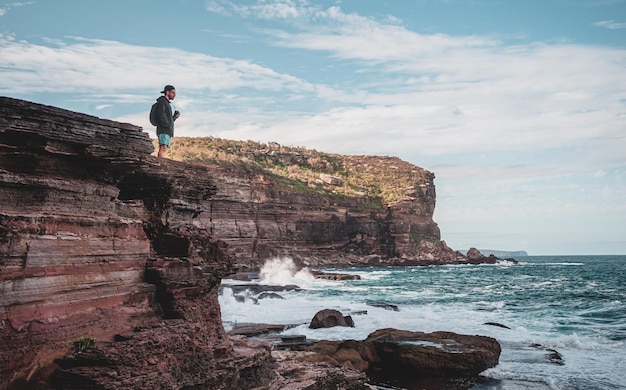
{"points": [[380, 178], [83, 343]]}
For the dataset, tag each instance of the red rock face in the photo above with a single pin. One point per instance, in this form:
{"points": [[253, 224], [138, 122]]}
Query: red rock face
{"points": [[98, 239], [259, 219], [69, 257]]}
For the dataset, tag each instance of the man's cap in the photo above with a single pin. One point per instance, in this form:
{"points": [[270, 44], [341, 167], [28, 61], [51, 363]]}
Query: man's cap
{"points": [[167, 88]]}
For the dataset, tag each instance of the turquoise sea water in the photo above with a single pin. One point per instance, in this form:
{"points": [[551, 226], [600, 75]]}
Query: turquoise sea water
{"points": [[574, 305]]}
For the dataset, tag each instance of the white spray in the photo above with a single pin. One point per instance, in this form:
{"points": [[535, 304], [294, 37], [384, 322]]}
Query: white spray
{"points": [[283, 271]]}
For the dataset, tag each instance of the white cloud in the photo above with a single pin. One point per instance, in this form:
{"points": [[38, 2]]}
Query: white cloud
{"points": [[7, 7], [440, 94], [215, 7], [611, 24], [269, 10], [84, 65]]}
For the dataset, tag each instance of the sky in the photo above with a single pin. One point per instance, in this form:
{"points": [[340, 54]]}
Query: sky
{"points": [[517, 106]]}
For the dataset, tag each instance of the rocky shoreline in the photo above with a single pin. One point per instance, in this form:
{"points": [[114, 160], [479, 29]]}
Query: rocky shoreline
{"points": [[343, 261], [387, 356], [111, 259], [399, 358]]}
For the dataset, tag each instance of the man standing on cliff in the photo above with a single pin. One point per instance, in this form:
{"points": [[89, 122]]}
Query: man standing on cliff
{"points": [[165, 119]]}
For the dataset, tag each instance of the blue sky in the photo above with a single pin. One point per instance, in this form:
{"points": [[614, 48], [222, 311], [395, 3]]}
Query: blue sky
{"points": [[517, 106]]}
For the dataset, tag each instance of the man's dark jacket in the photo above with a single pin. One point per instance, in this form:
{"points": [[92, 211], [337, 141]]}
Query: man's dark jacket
{"points": [[165, 119]]}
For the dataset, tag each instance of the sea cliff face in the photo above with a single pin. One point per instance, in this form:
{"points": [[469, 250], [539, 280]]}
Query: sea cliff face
{"points": [[273, 200], [96, 237], [100, 240], [258, 219]]}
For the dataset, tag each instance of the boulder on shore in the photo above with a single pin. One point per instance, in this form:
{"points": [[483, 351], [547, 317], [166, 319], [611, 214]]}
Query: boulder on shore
{"points": [[401, 353], [328, 318], [437, 353]]}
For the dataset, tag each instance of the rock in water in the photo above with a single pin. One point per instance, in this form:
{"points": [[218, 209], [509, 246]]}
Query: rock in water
{"points": [[554, 357], [475, 257], [328, 318], [269, 295], [437, 353], [383, 305], [496, 324], [335, 276]]}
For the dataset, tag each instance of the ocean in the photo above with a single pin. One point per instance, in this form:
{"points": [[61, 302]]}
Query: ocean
{"points": [[572, 305]]}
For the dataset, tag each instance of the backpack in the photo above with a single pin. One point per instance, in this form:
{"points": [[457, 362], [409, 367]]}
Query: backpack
{"points": [[153, 115]]}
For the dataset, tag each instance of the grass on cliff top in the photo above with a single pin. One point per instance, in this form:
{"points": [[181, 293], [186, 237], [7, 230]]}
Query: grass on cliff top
{"points": [[303, 170]]}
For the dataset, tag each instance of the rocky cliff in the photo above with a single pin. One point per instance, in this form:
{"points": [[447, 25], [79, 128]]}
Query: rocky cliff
{"points": [[320, 209], [102, 242]]}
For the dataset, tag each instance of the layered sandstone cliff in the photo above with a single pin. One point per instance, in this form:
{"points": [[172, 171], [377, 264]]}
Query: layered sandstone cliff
{"points": [[101, 240], [272, 200]]}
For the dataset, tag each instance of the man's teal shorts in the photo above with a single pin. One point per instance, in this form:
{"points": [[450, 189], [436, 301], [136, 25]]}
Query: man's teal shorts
{"points": [[164, 139]]}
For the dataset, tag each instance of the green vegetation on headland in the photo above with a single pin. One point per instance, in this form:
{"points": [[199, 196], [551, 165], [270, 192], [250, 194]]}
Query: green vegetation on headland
{"points": [[384, 178]]}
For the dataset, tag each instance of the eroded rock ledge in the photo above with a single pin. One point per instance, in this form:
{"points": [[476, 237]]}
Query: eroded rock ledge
{"points": [[100, 239]]}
